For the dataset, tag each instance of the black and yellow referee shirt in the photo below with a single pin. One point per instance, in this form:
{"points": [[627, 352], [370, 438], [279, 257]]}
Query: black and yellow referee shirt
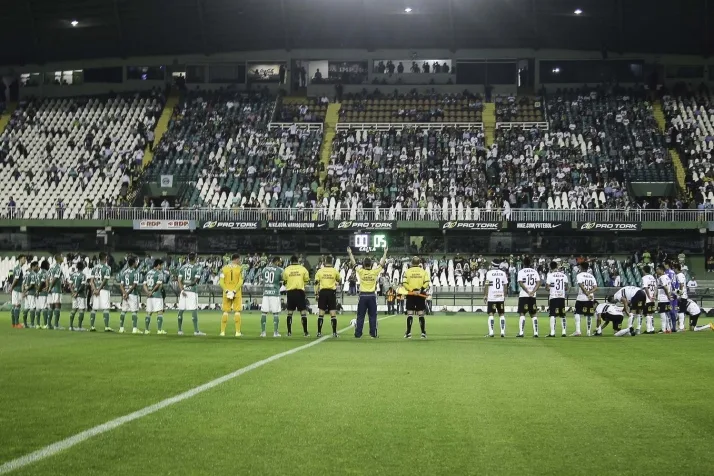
{"points": [[295, 277], [415, 278], [327, 278]]}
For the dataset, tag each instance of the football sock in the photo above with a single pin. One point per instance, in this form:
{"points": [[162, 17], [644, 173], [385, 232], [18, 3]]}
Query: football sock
{"points": [[290, 323], [589, 322], [121, 319], [681, 320], [320, 321], [237, 321], [224, 322], [599, 329], [303, 319], [12, 316], [639, 322], [81, 319], [46, 317], [159, 322], [57, 317], [503, 325], [622, 333], [410, 320], [194, 320], [333, 322], [24, 317], [535, 325], [134, 321], [147, 321], [664, 320], [71, 318], [276, 322], [490, 325], [92, 318], [701, 328], [577, 323], [522, 325], [106, 318], [650, 323], [32, 318], [262, 322], [552, 325], [180, 321], [564, 323], [630, 320], [422, 324]]}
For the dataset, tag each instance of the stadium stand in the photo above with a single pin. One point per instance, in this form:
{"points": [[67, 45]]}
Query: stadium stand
{"points": [[413, 107], [221, 144], [690, 126], [302, 110], [58, 155], [521, 109]]}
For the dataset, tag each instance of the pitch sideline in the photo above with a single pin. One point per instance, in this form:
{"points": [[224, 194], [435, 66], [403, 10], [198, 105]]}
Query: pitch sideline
{"points": [[67, 443]]}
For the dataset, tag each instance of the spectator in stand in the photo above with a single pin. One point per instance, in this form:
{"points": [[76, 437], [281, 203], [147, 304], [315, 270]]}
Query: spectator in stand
{"points": [[11, 207]]}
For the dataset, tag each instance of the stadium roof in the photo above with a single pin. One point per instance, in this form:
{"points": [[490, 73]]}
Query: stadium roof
{"points": [[40, 31]]}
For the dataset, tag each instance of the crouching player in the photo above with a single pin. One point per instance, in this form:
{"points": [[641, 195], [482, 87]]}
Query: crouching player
{"points": [[272, 280], [608, 313], [188, 276], [232, 284], [78, 288], [633, 299], [691, 308]]}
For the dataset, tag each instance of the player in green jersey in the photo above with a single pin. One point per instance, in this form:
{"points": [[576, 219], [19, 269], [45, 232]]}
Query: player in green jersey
{"points": [[188, 276], [272, 276], [99, 282], [41, 303], [78, 288], [55, 281], [153, 282], [129, 284], [15, 280], [29, 293]]}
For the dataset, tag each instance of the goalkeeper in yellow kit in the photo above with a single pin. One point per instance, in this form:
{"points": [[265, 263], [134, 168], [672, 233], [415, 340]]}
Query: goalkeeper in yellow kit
{"points": [[232, 284]]}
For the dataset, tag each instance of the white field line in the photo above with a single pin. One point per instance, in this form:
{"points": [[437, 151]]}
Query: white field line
{"points": [[67, 443]]}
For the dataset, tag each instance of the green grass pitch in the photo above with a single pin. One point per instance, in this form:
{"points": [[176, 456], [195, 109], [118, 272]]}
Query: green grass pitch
{"points": [[457, 403]]}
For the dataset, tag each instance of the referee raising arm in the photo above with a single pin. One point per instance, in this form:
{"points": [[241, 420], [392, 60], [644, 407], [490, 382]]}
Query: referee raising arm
{"points": [[367, 292]]}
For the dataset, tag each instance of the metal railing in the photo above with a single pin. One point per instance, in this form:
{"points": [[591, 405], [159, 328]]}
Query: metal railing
{"points": [[385, 126], [523, 125], [374, 214]]}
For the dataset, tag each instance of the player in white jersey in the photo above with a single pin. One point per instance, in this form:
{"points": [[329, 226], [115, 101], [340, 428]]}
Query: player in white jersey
{"points": [[587, 285], [633, 299], [495, 296], [529, 283], [664, 299], [609, 313], [692, 309], [649, 286], [682, 295], [557, 285]]}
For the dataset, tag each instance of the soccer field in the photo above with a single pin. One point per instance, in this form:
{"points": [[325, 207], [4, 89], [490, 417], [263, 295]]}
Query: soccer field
{"points": [[457, 403]]}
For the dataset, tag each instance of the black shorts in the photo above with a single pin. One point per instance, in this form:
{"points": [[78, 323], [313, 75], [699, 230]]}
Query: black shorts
{"points": [[527, 305], [694, 319], [415, 303], [664, 307], [616, 321], [585, 308], [327, 300], [296, 300], [494, 307], [649, 308], [556, 307], [638, 303]]}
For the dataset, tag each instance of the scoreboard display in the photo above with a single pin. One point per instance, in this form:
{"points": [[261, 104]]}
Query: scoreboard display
{"points": [[368, 242]]}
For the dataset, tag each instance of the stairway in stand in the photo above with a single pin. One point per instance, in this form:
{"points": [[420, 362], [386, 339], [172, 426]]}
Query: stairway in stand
{"points": [[676, 161], [162, 125], [489, 122], [331, 118], [5, 117]]}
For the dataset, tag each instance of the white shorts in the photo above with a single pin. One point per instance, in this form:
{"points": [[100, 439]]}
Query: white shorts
{"points": [[41, 303], [188, 301], [270, 304], [17, 298], [80, 302], [130, 304], [54, 298], [154, 305], [101, 302], [30, 302]]}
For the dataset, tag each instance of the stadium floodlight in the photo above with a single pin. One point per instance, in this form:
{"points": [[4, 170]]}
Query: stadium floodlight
{"points": [[556, 70], [74, 23], [408, 9], [578, 11]]}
